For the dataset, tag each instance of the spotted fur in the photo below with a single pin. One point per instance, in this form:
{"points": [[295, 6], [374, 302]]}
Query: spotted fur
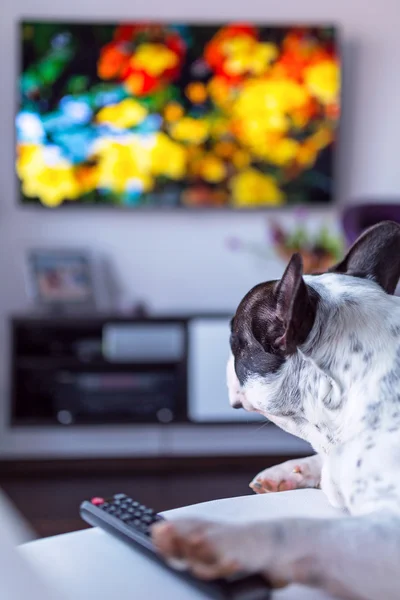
{"points": [[320, 357]]}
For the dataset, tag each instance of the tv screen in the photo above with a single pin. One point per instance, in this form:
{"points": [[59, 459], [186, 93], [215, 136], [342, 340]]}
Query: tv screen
{"points": [[172, 115]]}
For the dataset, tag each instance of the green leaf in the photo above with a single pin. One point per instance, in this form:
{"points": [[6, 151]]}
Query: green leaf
{"points": [[77, 84]]}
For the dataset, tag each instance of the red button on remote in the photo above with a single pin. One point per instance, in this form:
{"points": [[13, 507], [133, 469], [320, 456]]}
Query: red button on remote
{"points": [[97, 501]]}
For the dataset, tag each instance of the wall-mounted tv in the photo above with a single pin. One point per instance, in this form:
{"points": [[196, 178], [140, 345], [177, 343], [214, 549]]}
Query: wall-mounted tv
{"points": [[172, 115]]}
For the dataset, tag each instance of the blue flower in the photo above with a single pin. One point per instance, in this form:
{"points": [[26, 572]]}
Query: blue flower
{"points": [[30, 127], [150, 124], [105, 97], [76, 143], [56, 121], [76, 109]]}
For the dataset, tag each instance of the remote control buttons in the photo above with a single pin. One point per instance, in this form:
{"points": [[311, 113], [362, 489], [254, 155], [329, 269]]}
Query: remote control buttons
{"points": [[97, 501], [126, 517], [120, 496], [147, 519]]}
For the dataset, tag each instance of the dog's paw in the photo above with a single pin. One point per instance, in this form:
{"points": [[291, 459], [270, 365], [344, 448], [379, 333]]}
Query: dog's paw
{"points": [[207, 549], [291, 475]]}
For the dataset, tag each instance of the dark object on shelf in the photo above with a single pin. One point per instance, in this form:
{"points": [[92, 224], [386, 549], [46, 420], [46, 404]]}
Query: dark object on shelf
{"points": [[117, 369], [140, 309], [98, 370], [358, 217]]}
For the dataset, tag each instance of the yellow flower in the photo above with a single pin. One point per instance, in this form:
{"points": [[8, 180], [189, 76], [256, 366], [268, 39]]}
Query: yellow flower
{"points": [[246, 55], [134, 83], [241, 159], [322, 137], [173, 111], [168, 158], [196, 92], [154, 59], [123, 163], [30, 158], [46, 175], [220, 92], [225, 149], [306, 155], [323, 81], [307, 152], [212, 169], [87, 177], [250, 188], [219, 127], [195, 154], [190, 130], [263, 108], [270, 96], [281, 152], [125, 114]]}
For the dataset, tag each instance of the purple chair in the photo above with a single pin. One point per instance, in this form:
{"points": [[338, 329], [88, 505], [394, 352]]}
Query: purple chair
{"points": [[358, 217]]}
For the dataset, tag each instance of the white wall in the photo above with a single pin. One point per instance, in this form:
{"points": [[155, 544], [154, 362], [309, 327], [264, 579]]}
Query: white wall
{"points": [[178, 261]]}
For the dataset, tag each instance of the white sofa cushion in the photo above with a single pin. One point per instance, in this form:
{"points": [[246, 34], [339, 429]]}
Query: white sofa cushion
{"points": [[92, 565]]}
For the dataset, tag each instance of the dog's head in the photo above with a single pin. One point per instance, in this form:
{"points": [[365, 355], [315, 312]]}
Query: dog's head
{"points": [[277, 321]]}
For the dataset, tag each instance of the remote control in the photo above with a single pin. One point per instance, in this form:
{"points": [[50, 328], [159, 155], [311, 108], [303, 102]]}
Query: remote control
{"points": [[131, 521]]}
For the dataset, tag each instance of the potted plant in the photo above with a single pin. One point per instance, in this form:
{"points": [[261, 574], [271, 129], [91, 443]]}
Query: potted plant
{"points": [[319, 249]]}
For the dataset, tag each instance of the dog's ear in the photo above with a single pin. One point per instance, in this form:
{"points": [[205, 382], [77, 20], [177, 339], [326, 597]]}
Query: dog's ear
{"points": [[294, 307], [375, 255]]}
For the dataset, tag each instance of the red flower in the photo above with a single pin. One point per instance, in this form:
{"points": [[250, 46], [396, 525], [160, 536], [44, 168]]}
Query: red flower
{"points": [[300, 50], [113, 61], [117, 60], [214, 53]]}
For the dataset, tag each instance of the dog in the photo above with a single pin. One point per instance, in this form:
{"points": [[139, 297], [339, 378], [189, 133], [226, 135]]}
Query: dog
{"points": [[319, 356]]}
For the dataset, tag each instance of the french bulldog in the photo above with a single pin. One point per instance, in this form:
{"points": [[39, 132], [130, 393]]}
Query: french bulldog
{"points": [[319, 356]]}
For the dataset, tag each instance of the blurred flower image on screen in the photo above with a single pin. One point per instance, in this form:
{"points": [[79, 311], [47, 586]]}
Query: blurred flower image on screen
{"points": [[148, 114]]}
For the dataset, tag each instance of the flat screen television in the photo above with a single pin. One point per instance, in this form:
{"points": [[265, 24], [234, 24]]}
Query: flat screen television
{"points": [[167, 115]]}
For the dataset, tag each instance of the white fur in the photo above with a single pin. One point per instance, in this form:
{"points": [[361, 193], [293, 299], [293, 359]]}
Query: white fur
{"points": [[362, 480], [343, 386]]}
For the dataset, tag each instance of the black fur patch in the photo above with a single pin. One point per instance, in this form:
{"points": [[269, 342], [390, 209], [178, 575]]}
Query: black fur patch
{"points": [[349, 300], [392, 378], [367, 357], [255, 330], [355, 344], [395, 330]]}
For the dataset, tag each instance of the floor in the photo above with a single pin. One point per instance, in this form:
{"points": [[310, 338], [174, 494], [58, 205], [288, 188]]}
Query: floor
{"points": [[49, 493]]}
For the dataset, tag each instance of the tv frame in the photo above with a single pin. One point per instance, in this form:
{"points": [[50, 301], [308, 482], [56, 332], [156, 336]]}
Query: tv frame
{"points": [[184, 210]]}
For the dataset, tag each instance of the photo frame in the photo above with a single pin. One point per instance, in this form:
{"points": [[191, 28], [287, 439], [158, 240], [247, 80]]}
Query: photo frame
{"points": [[61, 280]]}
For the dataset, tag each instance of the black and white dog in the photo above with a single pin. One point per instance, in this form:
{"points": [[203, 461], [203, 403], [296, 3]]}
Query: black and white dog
{"points": [[319, 356]]}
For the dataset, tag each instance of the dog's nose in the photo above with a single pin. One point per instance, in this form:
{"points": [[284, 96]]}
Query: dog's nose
{"points": [[237, 404]]}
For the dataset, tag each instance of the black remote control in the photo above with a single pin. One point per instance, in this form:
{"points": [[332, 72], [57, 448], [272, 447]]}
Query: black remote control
{"points": [[131, 521]]}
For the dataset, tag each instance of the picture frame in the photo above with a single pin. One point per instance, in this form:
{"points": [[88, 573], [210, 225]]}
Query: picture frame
{"points": [[61, 280]]}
